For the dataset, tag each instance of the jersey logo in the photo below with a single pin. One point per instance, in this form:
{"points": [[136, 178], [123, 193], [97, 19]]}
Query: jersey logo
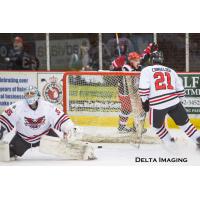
{"points": [[34, 123]]}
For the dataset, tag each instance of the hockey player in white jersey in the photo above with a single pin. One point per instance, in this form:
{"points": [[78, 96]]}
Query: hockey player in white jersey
{"points": [[161, 90], [34, 118]]}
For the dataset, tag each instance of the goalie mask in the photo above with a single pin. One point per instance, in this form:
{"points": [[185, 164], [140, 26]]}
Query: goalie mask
{"points": [[31, 95]]}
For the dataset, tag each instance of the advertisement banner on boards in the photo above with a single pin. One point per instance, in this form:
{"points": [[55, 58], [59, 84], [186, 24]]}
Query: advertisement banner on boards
{"points": [[12, 86], [191, 84]]}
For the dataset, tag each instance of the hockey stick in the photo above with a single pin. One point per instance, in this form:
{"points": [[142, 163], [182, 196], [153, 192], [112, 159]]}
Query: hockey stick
{"points": [[117, 41]]}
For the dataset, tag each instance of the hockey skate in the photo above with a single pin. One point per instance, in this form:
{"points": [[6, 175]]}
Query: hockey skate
{"points": [[123, 129]]}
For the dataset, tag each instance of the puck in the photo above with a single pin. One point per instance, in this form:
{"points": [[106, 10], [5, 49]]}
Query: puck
{"points": [[100, 147]]}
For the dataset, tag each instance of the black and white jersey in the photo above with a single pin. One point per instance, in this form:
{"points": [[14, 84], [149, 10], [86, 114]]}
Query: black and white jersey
{"points": [[161, 85]]}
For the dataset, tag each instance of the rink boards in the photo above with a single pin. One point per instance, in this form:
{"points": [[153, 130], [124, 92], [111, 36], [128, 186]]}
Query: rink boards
{"points": [[13, 83]]}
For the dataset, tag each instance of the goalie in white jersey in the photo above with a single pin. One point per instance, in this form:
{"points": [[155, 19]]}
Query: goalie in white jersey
{"points": [[33, 118], [161, 89]]}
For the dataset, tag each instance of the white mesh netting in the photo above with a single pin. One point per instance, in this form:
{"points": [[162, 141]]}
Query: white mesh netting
{"points": [[103, 103]]}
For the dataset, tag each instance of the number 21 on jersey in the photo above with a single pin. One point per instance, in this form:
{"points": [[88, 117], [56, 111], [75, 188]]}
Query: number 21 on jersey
{"points": [[163, 81]]}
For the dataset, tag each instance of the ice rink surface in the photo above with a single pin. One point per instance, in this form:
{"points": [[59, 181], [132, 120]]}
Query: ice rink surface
{"points": [[121, 155]]}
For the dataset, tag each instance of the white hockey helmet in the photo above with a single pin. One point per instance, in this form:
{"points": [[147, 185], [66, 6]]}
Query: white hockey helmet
{"points": [[31, 94]]}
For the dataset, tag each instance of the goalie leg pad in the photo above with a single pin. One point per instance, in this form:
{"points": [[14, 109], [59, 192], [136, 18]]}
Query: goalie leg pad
{"points": [[75, 150], [4, 152]]}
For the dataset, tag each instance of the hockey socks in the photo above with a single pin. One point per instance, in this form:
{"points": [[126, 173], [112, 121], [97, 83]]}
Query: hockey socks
{"points": [[190, 131], [163, 134], [123, 118]]}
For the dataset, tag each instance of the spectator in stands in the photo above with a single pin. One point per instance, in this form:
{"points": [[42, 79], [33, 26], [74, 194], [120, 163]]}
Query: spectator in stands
{"points": [[84, 55], [18, 59]]}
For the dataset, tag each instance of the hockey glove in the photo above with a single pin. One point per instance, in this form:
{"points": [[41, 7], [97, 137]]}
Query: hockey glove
{"points": [[151, 48], [154, 47], [145, 105], [118, 63]]}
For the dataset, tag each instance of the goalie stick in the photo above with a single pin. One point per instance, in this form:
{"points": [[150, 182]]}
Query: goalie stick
{"points": [[117, 41]]}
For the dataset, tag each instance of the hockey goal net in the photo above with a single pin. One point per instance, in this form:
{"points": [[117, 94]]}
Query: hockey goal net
{"points": [[99, 101]]}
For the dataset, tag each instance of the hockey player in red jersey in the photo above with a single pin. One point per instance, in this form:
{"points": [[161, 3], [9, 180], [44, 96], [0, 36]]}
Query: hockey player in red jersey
{"points": [[133, 62], [161, 90], [33, 118]]}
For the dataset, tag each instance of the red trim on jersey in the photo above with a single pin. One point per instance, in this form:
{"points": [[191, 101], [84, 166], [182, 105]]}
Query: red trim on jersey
{"points": [[37, 136], [163, 98], [59, 120], [33, 138], [7, 122], [62, 121], [181, 94], [141, 92], [3, 121]]}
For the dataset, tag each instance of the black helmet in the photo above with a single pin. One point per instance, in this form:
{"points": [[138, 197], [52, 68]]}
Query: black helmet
{"points": [[157, 57]]}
